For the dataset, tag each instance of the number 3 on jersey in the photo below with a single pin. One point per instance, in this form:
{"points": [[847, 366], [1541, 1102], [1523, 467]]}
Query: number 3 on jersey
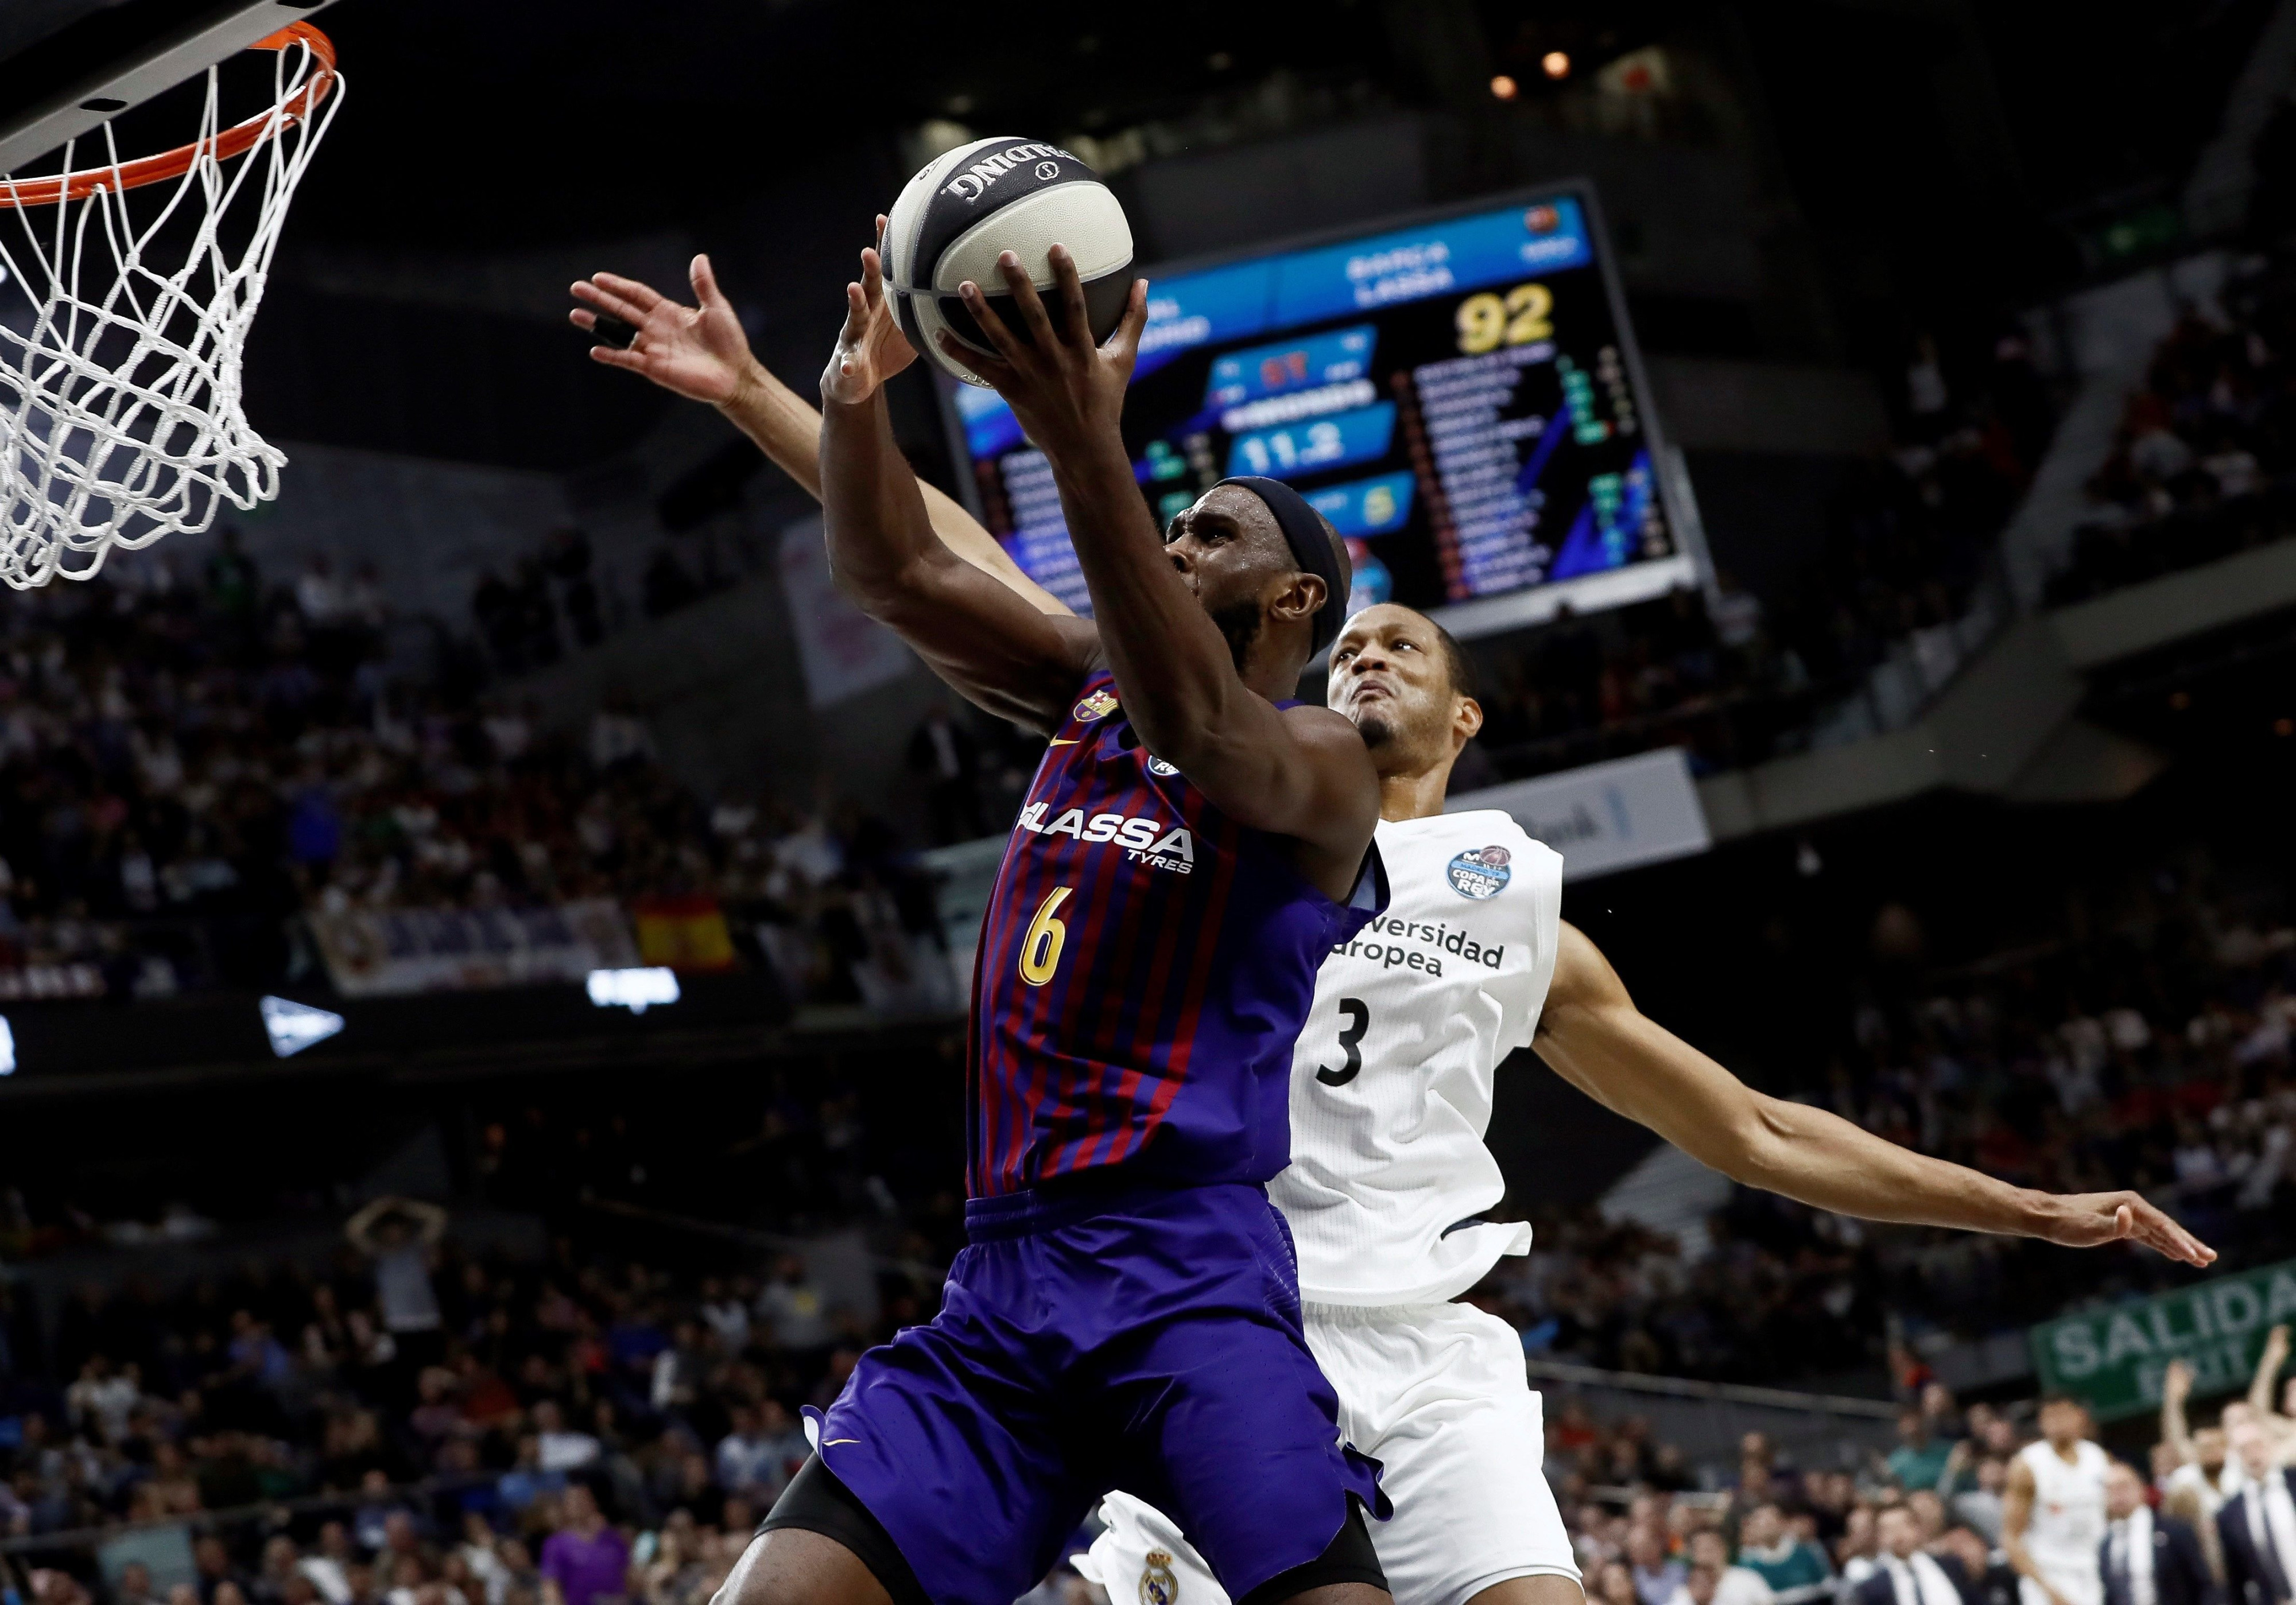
{"points": [[1358, 1013], [1040, 949]]}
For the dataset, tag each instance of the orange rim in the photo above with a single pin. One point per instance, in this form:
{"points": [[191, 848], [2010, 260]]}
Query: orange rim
{"points": [[234, 141]]}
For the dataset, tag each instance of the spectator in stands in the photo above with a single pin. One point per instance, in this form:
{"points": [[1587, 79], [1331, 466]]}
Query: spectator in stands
{"points": [[1979, 1507], [1710, 1553], [1906, 1574], [1919, 1460], [794, 1307], [1858, 1551], [558, 1447], [2256, 1526], [585, 1559], [100, 1399], [2204, 1469], [749, 1460], [1658, 1576], [2148, 1558], [528, 1481], [401, 1237], [1795, 1571]]}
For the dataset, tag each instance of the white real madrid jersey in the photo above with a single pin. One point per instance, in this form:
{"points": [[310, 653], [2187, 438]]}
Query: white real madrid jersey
{"points": [[2069, 1519], [1391, 1081]]}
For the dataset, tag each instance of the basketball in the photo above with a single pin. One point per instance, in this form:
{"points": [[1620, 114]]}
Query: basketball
{"points": [[967, 206]]}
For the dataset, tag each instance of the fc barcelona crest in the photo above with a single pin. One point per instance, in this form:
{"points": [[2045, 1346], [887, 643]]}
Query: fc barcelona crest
{"points": [[1160, 1584], [1097, 706]]}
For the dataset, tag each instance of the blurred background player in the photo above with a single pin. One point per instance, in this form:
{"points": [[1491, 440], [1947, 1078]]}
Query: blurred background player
{"points": [[2052, 1516]]}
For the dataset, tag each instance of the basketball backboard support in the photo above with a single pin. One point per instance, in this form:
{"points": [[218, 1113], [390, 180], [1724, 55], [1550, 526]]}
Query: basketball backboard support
{"points": [[66, 66]]}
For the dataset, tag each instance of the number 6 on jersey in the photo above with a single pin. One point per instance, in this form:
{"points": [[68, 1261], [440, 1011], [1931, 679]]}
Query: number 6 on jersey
{"points": [[1040, 949]]}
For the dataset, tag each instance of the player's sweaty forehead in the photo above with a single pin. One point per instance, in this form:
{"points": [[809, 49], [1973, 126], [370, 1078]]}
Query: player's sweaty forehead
{"points": [[1384, 624], [1228, 510]]}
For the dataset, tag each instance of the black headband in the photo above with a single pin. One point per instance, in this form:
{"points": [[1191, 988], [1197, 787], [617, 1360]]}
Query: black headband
{"points": [[1313, 548]]}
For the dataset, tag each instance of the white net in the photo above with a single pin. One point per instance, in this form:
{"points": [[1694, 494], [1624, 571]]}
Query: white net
{"points": [[124, 313]]}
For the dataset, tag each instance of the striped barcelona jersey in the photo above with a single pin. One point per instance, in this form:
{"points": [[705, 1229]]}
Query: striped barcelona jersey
{"points": [[1145, 969]]}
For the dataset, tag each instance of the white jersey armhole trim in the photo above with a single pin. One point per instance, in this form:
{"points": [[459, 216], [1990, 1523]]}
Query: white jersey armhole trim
{"points": [[1547, 928]]}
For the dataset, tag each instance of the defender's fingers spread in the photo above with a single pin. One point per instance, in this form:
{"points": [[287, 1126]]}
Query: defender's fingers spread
{"points": [[582, 317], [612, 304], [705, 281], [633, 291]]}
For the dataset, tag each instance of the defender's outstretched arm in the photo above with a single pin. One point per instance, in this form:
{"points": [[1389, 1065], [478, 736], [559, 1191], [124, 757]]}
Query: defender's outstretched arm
{"points": [[974, 632], [1303, 772], [700, 352], [1593, 1036]]}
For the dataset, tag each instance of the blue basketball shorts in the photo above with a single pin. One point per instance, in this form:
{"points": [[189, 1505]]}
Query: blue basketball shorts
{"points": [[1141, 1336]]}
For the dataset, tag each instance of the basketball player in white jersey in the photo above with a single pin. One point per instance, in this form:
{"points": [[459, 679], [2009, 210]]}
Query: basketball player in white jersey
{"points": [[1392, 1082], [2053, 1515]]}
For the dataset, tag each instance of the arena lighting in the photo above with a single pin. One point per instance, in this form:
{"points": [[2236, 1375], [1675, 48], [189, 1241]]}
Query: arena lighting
{"points": [[294, 1026], [7, 1047], [1503, 87], [1555, 64], [636, 990]]}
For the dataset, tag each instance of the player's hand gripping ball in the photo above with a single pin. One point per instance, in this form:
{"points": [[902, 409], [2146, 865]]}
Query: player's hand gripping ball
{"points": [[956, 216]]}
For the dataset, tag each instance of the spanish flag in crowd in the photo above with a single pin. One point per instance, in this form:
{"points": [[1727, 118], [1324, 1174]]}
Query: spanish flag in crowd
{"points": [[683, 933]]}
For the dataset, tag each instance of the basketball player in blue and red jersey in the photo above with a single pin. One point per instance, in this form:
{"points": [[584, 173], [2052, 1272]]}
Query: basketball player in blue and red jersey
{"points": [[1127, 1309]]}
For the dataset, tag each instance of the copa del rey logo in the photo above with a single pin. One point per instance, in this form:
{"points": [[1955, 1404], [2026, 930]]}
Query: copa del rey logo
{"points": [[973, 183]]}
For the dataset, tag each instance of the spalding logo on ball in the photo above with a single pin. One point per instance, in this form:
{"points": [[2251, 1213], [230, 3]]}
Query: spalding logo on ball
{"points": [[995, 195]]}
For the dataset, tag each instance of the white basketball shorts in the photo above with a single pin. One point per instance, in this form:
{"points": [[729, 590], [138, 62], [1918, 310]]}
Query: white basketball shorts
{"points": [[1437, 1395]]}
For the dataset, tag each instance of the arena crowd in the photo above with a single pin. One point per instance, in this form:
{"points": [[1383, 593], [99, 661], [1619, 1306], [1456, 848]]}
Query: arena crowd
{"points": [[419, 1426], [186, 763], [2202, 464]]}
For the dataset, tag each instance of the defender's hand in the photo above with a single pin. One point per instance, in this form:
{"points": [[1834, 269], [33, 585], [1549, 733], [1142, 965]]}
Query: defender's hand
{"points": [[2090, 1220], [869, 347], [1063, 389], [698, 352]]}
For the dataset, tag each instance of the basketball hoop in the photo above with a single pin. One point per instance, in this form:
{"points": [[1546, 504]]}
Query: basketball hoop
{"points": [[120, 410]]}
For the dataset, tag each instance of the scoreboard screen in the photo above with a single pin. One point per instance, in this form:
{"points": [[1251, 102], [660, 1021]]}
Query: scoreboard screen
{"points": [[1461, 397]]}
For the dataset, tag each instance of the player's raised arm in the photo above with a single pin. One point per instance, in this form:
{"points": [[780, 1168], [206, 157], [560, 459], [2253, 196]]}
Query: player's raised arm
{"points": [[976, 633], [700, 352], [1594, 1037], [1301, 772]]}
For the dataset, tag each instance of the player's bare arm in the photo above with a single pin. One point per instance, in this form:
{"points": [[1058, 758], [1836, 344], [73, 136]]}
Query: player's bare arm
{"points": [[2016, 1521], [2176, 1387], [1594, 1037], [1300, 772], [977, 634], [2267, 1372], [700, 352]]}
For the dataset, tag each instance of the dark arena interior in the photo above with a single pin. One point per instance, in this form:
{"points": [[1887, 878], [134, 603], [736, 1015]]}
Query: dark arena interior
{"points": [[506, 992]]}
